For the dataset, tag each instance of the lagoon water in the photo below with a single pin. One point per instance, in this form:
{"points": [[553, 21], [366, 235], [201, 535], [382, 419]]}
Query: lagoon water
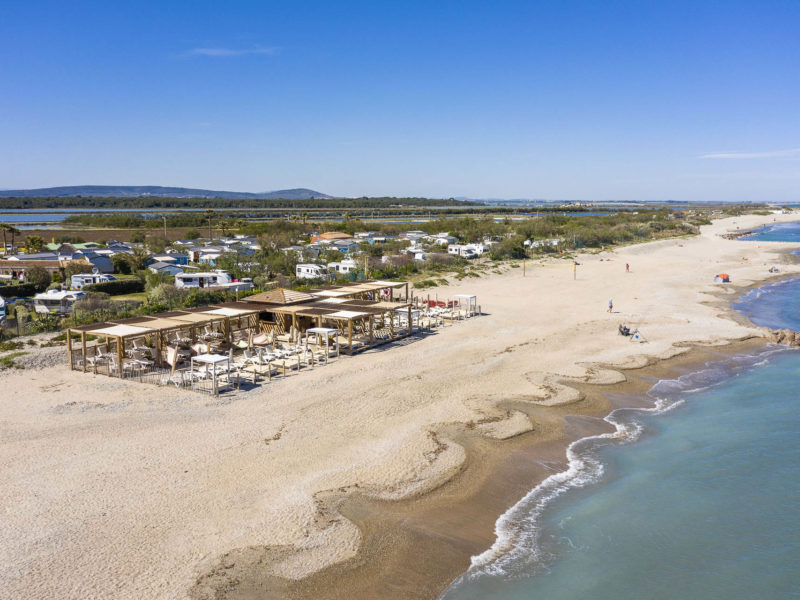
{"points": [[697, 498]]}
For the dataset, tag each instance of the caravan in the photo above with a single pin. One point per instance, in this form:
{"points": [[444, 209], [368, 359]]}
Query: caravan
{"points": [[347, 265], [56, 302], [311, 271], [79, 280], [214, 279]]}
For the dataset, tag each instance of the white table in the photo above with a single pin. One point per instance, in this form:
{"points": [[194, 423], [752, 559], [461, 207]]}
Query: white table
{"points": [[213, 360]]}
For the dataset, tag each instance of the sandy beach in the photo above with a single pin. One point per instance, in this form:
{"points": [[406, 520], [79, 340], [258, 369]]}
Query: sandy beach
{"points": [[120, 490]]}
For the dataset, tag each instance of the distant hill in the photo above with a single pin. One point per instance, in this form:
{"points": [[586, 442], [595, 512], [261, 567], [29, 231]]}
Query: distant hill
{"points": [[135, 191]]}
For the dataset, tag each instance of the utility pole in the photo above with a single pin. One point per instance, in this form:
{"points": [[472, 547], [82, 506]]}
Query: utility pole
{"points": [[165, 227]]}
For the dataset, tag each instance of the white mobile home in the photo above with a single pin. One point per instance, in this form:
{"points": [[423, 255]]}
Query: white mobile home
{"points": [[79, 280], [311, 271], [56, 301], [347, 265], [215, 279], [462, 251]]}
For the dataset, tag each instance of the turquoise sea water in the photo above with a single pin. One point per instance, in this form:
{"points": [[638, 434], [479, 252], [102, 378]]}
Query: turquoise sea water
{"points": [[777, 232], [696, 498]]}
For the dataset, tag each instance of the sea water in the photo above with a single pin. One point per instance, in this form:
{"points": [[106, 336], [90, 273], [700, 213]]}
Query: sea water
{"points": [[776, 232], [697, 497]]}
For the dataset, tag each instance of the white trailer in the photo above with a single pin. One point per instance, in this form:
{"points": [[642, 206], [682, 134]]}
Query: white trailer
{"points": [[311, 271]]}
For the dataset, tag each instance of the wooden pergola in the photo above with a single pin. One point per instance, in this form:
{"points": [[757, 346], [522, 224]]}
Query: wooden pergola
{"points": [[158, 327], [347, 307]]}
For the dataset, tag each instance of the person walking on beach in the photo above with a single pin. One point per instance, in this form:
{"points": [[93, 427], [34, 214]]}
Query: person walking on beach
{"points": [[627, 268], [610, 306]]}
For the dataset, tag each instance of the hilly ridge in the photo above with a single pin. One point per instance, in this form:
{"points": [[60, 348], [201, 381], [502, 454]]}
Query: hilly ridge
{"points": [[133, 191]]}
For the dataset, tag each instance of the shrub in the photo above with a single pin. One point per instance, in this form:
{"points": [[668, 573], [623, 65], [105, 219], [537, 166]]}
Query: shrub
{"points": [[94, 301], [22, 289], [118, 287], [167, 294], [75, 267], [121, 263], [39, 278]]}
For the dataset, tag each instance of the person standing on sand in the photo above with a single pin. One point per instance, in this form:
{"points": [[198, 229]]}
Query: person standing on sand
{"points": [[627, 268], [610, 306]]}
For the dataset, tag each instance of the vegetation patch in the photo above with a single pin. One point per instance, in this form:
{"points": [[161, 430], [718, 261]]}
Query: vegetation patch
{"points": [[7, 361]]}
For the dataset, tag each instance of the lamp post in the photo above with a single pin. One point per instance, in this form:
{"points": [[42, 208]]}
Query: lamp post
{"points": [[165, 227]]}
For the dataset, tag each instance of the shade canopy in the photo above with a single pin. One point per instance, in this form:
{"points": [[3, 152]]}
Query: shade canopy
{"points": [[122, 330]]}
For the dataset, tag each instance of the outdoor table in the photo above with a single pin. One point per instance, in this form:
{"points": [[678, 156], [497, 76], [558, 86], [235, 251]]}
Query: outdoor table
{"points": [[213, 360]]}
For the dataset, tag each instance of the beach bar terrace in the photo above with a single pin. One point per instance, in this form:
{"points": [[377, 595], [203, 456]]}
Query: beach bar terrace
{"points": [[275, 331]]}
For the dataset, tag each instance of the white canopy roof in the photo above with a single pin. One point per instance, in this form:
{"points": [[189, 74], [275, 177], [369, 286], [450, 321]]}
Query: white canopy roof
{"points": [[465, 296], [330, 293], [334, 300], [346, 314], [227, 312], [210, 359], [121, 330], [322, 330]]}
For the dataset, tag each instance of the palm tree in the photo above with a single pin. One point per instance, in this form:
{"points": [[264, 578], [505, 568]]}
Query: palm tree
{"points": [[33, 244], [4, 227], [209, 213], [14, 232], [138, 258]]}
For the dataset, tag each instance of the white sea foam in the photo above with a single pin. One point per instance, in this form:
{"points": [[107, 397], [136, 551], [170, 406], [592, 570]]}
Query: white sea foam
{"points": [[516, 548]]}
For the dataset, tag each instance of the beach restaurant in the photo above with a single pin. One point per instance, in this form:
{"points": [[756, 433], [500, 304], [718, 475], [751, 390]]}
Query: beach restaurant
{"points": [[295, 325]]}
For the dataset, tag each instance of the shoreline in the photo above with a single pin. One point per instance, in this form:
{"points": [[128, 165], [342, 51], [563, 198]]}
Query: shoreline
{"points": [[417, 547], [426, 556], [354, 475], [410, 548]]}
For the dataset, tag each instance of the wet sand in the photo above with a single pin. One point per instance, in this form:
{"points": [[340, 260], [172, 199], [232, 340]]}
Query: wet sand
{"points": [[415, 548]]}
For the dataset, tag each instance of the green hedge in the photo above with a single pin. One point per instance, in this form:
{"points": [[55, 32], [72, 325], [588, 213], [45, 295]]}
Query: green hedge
{"points": [[22, 289], [116, 288]]}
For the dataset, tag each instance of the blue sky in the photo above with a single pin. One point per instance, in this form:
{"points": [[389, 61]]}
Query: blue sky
{"points": [[591, 100]]}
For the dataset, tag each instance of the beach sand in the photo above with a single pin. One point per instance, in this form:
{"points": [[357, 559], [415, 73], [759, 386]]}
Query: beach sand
{"points": [[121, 490]]}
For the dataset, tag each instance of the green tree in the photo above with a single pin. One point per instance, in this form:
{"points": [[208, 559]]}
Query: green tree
{"points": [[121, 263], [209, 214], [34, 244], [138, 258], [138, 237], [4, 227], [39, 277], [192, 234], [74, 267], [14, 233]]}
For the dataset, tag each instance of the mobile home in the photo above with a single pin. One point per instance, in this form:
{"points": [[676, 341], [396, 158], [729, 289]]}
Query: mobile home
{"points": [[56, 301], [211, 279], [79, 280], [311, 271]]}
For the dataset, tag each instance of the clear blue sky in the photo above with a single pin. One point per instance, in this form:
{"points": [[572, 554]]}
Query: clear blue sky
{"points": [[593, 100]]}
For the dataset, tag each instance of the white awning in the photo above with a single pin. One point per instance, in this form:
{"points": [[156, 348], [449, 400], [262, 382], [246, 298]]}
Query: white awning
{"points": [[121, 330], [322, 331], [330, 293], [210, 359], [227, 312], [346, 314], [334, 300]]}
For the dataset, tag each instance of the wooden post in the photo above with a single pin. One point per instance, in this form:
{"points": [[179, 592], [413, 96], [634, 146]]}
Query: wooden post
{"points": [[83, 349], [69, 342], [350, 336], [371, 324], [410, 329], [119, 356]]}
